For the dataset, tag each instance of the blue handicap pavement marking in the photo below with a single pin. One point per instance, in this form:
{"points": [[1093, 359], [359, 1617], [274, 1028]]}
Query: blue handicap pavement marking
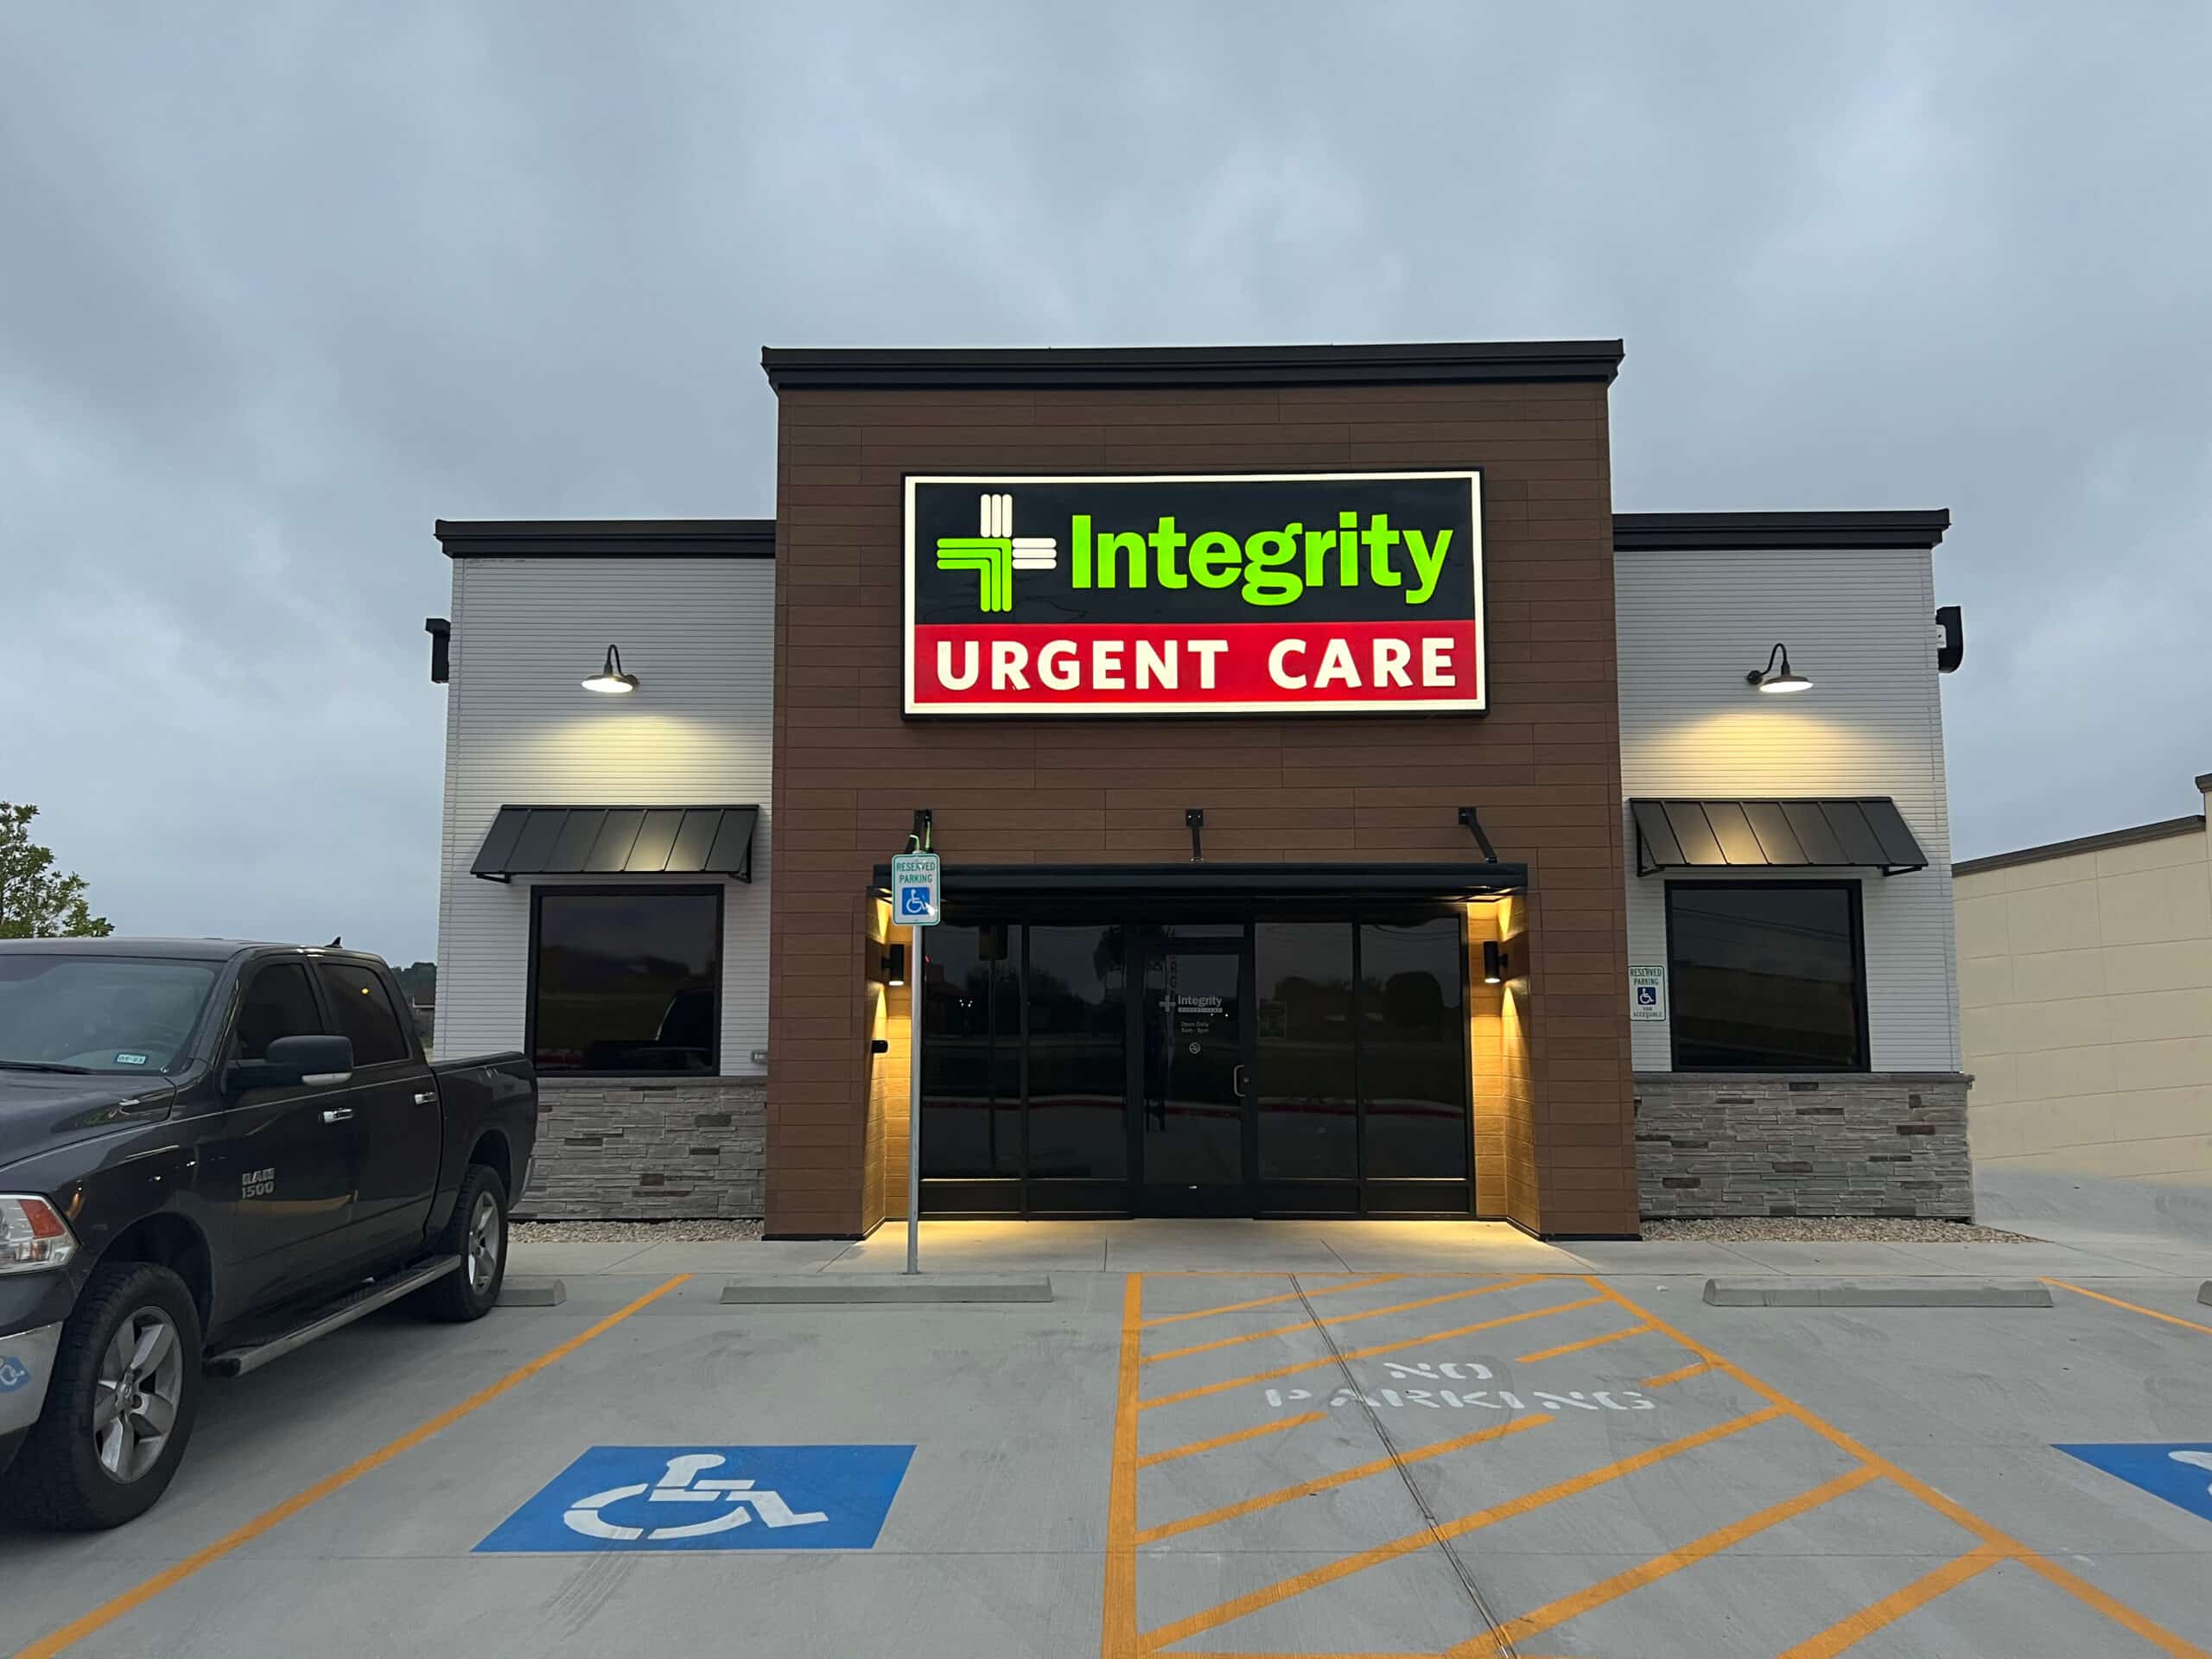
{"points": [[2179, 1471], [711, 1497]]}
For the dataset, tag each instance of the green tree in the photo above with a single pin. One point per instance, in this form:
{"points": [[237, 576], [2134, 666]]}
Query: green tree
{"points": [[35, 903]]}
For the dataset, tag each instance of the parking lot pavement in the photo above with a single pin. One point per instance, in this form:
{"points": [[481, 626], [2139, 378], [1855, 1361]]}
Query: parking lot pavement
{"points": [[1209, 1463], [1585, 1465]]}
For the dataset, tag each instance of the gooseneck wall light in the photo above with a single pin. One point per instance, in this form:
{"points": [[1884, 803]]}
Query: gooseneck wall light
{"points": [[610, 678], [1778, 679]]}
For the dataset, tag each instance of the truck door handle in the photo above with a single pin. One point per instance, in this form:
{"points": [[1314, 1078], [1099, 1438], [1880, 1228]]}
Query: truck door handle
{"points": [[426, 1100], [339, 1115]]}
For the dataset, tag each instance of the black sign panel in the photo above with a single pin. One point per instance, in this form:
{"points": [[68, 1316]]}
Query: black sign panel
{"points": [[1214, 594]]}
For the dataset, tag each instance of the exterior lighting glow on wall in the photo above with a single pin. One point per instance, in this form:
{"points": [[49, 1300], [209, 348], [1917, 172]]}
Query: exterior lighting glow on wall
{"points": [[610, 678], [1781, 679]]}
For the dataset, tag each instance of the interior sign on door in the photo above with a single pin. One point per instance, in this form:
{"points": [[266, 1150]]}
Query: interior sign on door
{"points": [[1326, 592]]}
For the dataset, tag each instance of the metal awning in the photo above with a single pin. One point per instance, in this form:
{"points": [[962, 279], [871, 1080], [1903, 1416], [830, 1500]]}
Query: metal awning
{"points": [[1468, 879], [619, 840], [1863, 831]]}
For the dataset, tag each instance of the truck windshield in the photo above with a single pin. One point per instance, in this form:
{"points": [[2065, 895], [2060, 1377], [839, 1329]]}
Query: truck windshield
{"points": [[98, 1014]]}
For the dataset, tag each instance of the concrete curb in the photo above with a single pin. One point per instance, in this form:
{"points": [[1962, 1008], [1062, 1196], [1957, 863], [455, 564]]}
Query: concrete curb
{"points": [[893, 1287], [1876, 1292], [533, 1293], [2205, 1293]]}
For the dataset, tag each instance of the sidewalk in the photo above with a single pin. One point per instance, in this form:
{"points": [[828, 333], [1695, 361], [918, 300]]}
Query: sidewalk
{"points": [[1479, 1247]]}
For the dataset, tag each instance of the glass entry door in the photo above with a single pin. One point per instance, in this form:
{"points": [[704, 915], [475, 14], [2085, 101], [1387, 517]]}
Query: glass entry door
{"points": [[1192, 1145]]}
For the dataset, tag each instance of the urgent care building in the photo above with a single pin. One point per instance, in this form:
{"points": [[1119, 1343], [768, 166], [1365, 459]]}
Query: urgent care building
{"points": [[1344, 812]]}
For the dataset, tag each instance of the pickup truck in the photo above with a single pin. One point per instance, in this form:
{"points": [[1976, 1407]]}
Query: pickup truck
{"points": [[212, 1152]]}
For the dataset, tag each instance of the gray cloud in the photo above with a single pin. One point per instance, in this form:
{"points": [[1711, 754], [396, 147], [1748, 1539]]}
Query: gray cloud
{"points": [[279, 285]]}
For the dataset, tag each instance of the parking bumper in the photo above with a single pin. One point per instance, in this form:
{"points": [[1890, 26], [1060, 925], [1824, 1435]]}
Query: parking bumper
{"points": [[26, 1366]]}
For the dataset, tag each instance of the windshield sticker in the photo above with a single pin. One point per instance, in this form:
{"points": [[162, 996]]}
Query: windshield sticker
{"points": [[131, 1059]]}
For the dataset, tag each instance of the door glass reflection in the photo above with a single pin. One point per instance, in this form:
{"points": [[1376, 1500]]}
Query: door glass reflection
{"points": [[1078, 1076], [1308, 1106], [971, 1052], [1413, 1054], [1193, 1118]]}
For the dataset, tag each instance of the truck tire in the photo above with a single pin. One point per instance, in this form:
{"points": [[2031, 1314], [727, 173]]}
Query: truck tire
{"points": [[477, 1235], [120, 1409]]}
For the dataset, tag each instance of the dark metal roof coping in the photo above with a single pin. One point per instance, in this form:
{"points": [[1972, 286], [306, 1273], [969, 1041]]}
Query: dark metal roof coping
{"points": [[1853, 531], [1069, 368], [606, 539]]}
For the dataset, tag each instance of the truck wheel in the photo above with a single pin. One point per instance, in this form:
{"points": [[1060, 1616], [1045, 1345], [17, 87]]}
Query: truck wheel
{"points": [[477, 1235], [120, 1409]]}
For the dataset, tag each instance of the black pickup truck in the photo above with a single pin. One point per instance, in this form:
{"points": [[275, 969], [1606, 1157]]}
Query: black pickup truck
{"points": [[212, 1152]]}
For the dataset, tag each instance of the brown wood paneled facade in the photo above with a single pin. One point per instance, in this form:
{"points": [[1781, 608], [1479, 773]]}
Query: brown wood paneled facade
{"points": [[1544, 765]]}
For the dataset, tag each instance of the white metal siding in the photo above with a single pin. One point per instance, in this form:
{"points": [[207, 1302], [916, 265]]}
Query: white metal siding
{"points": [[1860, 626], [699, 634]]}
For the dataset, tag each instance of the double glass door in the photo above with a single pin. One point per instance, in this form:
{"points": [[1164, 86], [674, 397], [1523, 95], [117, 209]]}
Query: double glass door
{"points": [[1121, 1065]]}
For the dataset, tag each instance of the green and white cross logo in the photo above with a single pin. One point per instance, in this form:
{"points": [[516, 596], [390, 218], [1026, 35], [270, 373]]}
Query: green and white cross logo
{"points": [[997, 553]]}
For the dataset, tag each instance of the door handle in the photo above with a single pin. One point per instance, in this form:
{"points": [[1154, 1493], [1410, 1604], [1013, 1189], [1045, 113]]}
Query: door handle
{"points": [[426, 1100], [1237, 1082], [339, 1115]]}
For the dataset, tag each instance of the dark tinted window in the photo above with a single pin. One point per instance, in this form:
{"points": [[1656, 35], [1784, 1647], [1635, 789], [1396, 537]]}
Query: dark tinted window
{"points": [[1308, 1105], [1078, 1076], [279, 1002], [364, 1013], [1414, 1048], [628, 981], [971, 1052], [1766, 977]]}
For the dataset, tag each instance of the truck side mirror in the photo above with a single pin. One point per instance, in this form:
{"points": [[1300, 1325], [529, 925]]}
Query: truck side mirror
{"points": [[291, 1061]]}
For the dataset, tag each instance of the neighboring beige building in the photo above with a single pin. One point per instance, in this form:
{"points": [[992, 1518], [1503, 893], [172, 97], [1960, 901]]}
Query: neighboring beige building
{"points": [[2085, 987]]}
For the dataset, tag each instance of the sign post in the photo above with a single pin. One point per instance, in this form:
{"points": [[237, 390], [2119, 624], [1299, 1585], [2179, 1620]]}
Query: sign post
{"points": [[917, 901]]}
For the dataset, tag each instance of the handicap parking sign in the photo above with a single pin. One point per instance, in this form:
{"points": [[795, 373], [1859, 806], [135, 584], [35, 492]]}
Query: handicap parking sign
{"points": [[914, 889], [2180, 1472], [629, 1498]]}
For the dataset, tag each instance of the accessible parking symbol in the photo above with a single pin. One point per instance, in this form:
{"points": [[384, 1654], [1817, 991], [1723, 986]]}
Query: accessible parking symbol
{"points": [[2180, 1472], [711, 1497]]}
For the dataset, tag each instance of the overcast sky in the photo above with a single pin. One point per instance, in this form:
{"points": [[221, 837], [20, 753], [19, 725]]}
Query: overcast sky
{"points": [[280, 284]]}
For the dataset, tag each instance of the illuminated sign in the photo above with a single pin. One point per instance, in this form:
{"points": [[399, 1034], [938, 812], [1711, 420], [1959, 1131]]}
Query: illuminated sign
{"points": [[1322, 593]]}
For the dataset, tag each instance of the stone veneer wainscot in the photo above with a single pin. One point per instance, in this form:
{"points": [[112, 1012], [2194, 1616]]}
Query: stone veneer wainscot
{"points": [[645, 1149], [1881, 1143]]}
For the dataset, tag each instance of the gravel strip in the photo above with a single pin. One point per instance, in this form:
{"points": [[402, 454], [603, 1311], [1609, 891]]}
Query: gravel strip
{"points": [[1834, 1229], [631, 1232]]}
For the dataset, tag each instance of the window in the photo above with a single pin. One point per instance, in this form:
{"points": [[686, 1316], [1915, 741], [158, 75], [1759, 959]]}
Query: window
{"points": [[279, 1002], [1413, 1060], [1077, 1075], [627, 981], [1308, 1087], [364, 1011], [971, 1052], [1767, 977]]}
